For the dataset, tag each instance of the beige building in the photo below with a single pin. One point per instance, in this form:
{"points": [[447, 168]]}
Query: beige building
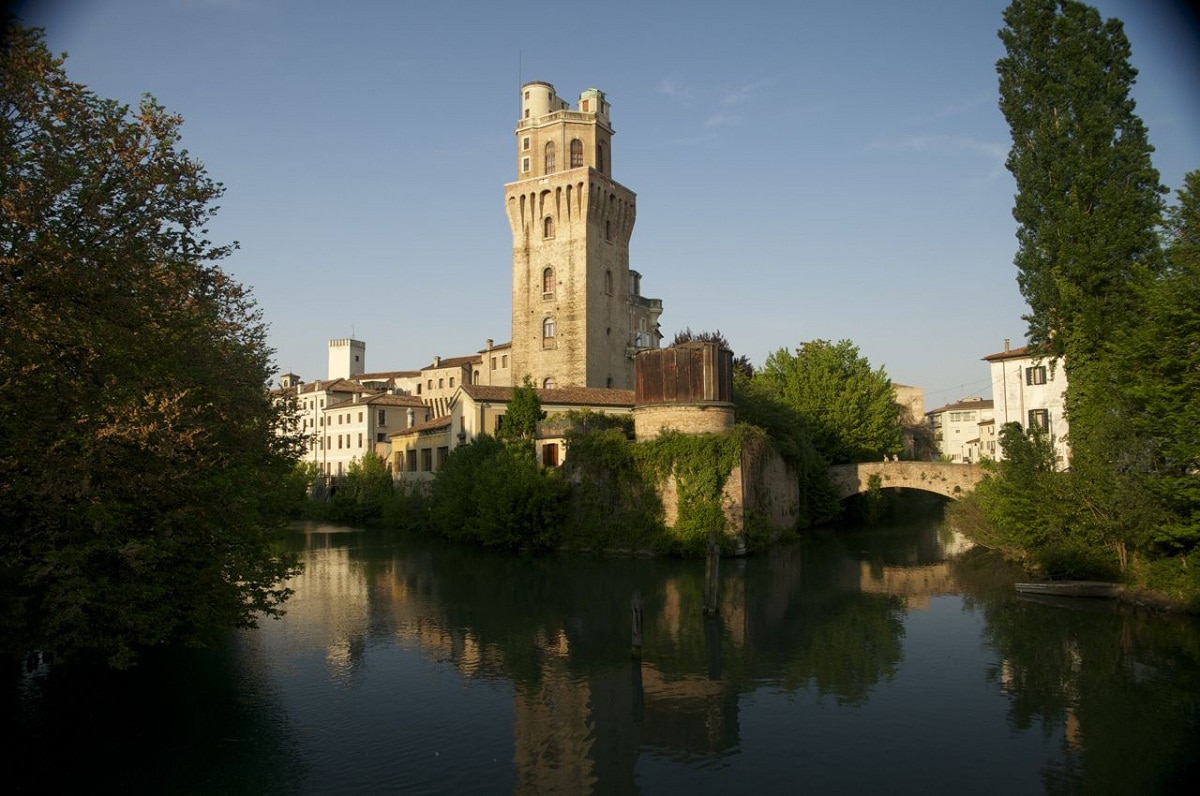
{"points": [[578, 316]]}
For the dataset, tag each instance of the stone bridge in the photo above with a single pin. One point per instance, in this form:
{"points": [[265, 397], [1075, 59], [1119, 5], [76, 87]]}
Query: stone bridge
{"points": [[942, 478]]}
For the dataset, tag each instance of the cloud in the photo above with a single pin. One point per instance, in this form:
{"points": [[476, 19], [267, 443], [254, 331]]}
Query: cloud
{"points": [[676, 91], [942, 143], [722, 120], [746, 91]]}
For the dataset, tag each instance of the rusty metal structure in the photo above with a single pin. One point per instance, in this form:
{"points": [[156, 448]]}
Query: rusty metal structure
{"points": [[691, 373]]}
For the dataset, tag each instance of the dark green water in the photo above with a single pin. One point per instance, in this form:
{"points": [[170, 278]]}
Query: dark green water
{"points": [[889, 661]]}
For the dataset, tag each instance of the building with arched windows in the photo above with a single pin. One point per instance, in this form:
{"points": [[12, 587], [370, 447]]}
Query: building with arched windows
{"points": [[578, 316]]}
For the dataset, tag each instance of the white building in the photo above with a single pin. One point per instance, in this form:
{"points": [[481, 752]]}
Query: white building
{"points": [[1029, 390], [956, 428]]}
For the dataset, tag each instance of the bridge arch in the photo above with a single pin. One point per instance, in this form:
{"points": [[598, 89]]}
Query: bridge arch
{"points": [[949, 479]]}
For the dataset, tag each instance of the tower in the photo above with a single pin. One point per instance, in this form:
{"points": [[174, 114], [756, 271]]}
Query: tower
{"points": [[347, 358], [578, 316]]}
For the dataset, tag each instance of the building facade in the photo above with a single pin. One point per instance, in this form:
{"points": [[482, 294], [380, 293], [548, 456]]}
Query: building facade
{"points": [[956, 428], [578, 316], [1030, 390]]}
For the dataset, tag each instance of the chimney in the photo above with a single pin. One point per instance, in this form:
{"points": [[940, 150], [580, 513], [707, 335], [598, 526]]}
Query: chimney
{"points": [[437, 361], [1007, 344], [489, 344]]}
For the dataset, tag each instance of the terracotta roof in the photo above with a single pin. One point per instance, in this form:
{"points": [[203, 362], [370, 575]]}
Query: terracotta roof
{"points": [[437, 424], [453, 362], [960, 405], [559, 396], [384, 375], [496, 347], [1025, 351], [334, 385], [381, 399]]}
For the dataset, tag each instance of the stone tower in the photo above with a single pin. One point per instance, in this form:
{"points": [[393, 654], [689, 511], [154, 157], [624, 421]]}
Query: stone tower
{"points": [[578, 314]]}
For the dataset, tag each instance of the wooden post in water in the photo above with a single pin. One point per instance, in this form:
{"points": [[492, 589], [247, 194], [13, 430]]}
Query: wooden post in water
{"points": [[712, 580], [636, 607]]}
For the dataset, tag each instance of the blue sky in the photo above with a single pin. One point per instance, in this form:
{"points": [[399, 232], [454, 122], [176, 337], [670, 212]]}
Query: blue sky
{"points": [[818, 169]]}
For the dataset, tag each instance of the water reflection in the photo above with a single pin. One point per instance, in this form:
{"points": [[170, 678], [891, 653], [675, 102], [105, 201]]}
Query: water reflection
{"points": [[408, 665]]}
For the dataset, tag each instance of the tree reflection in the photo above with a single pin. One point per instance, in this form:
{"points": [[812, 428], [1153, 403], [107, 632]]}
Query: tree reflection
{"points": [[1072, 668]]}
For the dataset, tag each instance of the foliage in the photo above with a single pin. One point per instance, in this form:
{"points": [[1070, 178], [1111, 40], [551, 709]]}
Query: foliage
{"points": [[518, 427], [142, 479], [1088, 198], [1159, 364], [741, 363], [364, 492], [613, 506], [850, 409], [495, 495], [700, 465], [758, 405]]}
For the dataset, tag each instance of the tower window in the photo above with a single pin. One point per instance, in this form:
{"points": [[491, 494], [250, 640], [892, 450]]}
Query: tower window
{"points": [[608, 281], [576, 152], [550, 157], [548, 283], [548, 227], [548, 333], [600, 159], [525, 143], [525, 164], [608, 230]]}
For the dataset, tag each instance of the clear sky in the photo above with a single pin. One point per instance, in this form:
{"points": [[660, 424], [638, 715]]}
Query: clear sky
{"points": [[804, 168]]}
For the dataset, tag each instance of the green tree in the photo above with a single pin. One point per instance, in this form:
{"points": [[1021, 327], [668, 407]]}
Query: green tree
{"points": [[492, 494], [850, 409], [1159, 360], [366, 491], [142, 478], [518, 427], [1088, 198]]}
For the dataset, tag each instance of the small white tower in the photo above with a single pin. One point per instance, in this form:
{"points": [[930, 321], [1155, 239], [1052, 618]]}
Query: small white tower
{"points": [[347, 358]]}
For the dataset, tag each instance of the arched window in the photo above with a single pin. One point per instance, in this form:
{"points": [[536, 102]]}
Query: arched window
{"points": [[548, 227], [548, 282], [548, 328], [576, 153], [600, 159], [548, 383], [549, 157]]}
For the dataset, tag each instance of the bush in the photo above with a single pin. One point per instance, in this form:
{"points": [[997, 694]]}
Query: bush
{"points": [[491, 494]]}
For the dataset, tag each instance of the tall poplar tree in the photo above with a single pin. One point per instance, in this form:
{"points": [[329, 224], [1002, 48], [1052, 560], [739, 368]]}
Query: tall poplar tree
{"points": [[1088, 198]]}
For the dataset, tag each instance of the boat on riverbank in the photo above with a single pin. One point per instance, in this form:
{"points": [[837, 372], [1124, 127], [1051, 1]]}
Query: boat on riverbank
{"points": [[1071, 588]]}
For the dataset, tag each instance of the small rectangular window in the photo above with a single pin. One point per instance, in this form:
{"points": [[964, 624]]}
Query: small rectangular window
{"points": [[383, 417], [410, 461], [360, 417], [452, 382], [525, 142], [1035, 375], [525, 164], [427, 459], [493, 363], [360, 439], [504, 361], [1039, 419]]}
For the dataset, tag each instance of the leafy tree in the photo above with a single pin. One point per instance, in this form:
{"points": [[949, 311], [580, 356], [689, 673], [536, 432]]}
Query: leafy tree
{"points": [[366, 491], [1088, 198], [490, 493], [142, 478], [741, 363], [518, 427], [850, 409], [1159, 361]]}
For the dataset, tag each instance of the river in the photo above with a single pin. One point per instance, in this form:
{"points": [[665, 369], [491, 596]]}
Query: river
{"points": [[885, 661]]}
